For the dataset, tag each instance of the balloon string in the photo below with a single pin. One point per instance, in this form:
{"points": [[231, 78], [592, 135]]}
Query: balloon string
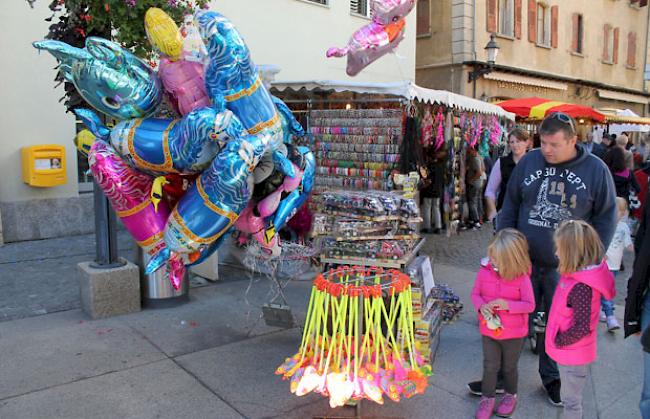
{"points": [[309, 315], [343, 314], [366, 337], [324, 335], [409, 308], [356, 337]]}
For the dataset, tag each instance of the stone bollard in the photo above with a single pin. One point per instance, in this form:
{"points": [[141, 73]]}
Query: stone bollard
{"points": [[109, 292]]}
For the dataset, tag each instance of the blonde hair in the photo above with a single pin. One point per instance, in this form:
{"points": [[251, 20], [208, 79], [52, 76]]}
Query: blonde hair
{"points": [[621, 205], [508, 250], [577, 246], [622, 140]]}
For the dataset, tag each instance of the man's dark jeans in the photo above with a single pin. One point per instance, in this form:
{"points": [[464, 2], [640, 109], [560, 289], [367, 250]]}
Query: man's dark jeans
{"points": [[544, 282]]}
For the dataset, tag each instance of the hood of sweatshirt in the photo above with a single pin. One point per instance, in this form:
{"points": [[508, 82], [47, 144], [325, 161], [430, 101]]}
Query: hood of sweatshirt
{"points": [[598, 278]]}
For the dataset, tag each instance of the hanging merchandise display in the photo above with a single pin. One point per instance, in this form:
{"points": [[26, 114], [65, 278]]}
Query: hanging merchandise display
{"points": [[429, 134], [359, 339], [367, 228], [427, 123], [356, 148]]}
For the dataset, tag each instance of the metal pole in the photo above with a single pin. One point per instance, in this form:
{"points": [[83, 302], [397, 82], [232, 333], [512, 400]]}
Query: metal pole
{"points": [[105, 232]]}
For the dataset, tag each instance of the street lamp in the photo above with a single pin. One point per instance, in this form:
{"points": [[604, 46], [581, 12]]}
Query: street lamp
{"points": [[481, 69]]}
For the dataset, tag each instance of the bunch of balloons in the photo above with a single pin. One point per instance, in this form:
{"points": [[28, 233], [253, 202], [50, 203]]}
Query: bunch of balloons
{"points": [[379, 37], [227, 162]]}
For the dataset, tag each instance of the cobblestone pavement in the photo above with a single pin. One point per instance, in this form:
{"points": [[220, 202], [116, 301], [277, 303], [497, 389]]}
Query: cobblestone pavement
{"points": [[466, 249], [39, 277]]}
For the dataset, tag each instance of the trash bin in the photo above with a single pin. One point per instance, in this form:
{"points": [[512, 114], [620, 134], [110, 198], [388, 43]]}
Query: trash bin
{"points": [[157, 291]]}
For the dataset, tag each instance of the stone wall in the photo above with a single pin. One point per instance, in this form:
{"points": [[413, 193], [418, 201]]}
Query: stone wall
{"points": [[46, 218]]}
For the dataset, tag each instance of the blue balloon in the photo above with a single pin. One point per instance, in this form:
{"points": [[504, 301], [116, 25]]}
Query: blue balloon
{"points": [[215, 201], [292, 203], [160, 146], [108, 77]]}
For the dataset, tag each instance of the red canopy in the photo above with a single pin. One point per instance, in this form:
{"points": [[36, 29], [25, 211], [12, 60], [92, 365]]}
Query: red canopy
{"points": [[536, 108]]}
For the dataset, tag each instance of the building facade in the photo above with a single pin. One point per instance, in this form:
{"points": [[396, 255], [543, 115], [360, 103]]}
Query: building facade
{"points": [[290, 34], [590, 52]]}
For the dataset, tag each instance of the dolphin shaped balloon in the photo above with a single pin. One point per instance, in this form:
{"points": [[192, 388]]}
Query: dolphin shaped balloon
{"points": [[108, 77]]}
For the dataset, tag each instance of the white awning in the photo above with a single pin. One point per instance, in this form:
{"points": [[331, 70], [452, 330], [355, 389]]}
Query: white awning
{"points": [[624, 97], [403, 89], [530, 81]]}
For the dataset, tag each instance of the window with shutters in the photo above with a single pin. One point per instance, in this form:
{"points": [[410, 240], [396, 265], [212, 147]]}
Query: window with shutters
{"points": [[608, 44], [506, 17], [323, 2], [631, 50], [543, 25], [424, 18], [360, 7], [578, 33]]}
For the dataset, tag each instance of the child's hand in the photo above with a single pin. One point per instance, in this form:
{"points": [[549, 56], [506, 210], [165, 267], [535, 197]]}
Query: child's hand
{"points": [[499, 304], [486, 309]]}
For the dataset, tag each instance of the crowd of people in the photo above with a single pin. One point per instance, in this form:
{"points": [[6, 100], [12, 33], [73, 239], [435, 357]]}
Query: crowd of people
{"points": [[565, 213]]}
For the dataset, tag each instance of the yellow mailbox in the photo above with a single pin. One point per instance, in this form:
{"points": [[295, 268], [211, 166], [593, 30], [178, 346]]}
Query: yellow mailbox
{"points": [[44, 165]]}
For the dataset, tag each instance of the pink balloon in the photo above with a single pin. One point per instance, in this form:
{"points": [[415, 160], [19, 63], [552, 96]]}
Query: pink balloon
{"points": [[129, 192], [252, 219], [249, 223], [185, 82], [377, 38]]}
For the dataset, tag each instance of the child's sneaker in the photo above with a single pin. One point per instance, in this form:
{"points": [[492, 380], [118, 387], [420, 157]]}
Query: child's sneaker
{"points": [[603, 317], [612, 324], [485, 408], [507, 405]]}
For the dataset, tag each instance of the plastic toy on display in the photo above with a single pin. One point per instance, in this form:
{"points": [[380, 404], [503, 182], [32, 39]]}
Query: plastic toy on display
{"points": [[181, 184], [358, 342], [376, 39]]}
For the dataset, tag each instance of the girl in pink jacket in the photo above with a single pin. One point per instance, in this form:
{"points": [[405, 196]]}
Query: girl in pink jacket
{"points": [[572, 325], [503, 298]]}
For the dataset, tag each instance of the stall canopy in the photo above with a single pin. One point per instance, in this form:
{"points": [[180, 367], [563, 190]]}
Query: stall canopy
{"points": [[404, 89], [625, 120], [536, 108]]}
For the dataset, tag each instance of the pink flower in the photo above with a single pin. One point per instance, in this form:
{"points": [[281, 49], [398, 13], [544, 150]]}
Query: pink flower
{"points": [[172, 3], [130, 3]]}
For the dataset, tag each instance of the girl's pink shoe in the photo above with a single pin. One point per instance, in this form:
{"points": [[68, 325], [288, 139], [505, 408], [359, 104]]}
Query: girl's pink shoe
{"points": [[507, 405], [485, 408]]}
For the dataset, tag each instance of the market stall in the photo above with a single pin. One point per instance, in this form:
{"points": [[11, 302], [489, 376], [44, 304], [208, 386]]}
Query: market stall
{"points": [[536, 108], [624, 120], [364, 134], [372, 144]]}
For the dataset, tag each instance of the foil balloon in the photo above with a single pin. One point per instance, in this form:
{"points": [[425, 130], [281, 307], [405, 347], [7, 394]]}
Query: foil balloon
{"points": [[263, 218], [288, 206], [180, 185], [108, 77], [213, 204], [253, 220], [163, 33], [379, 37], [232, 79], [84, 141], [158, 146], [129, 192], [182, 78]]}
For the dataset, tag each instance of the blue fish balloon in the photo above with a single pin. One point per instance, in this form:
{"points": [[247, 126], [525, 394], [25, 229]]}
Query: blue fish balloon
{"points": [[108, 77]]}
